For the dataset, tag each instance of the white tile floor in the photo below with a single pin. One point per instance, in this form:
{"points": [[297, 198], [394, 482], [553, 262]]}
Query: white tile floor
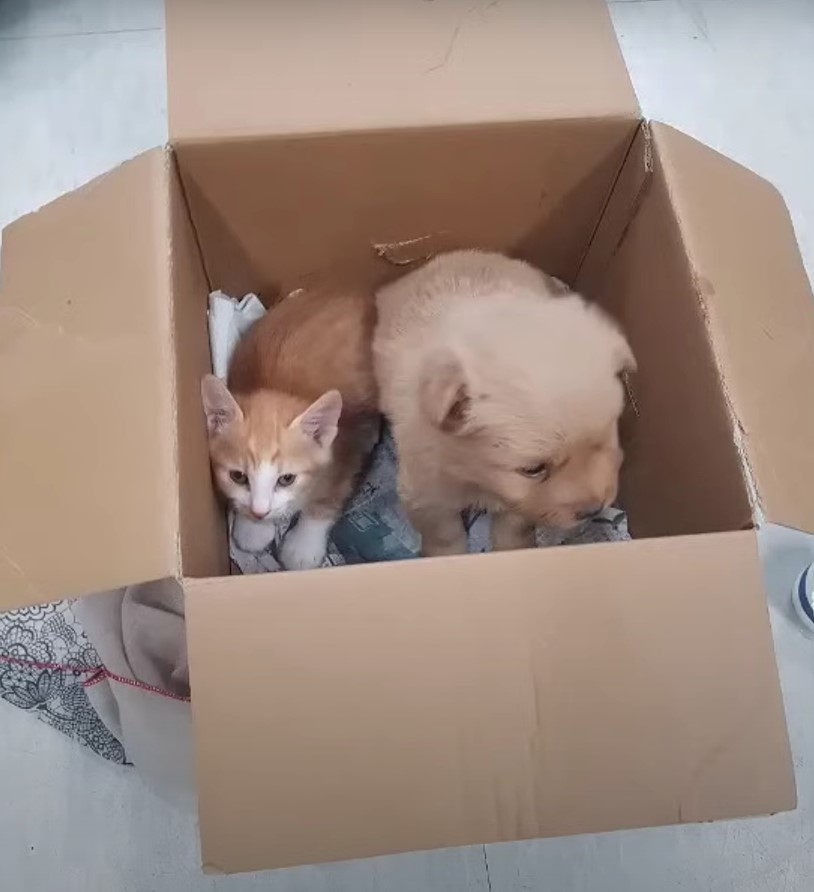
{"points": [[82, 88]]}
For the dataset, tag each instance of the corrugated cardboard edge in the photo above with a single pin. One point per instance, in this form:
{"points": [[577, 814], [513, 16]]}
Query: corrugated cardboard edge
{"points": [[170, 172], [745, 263]]}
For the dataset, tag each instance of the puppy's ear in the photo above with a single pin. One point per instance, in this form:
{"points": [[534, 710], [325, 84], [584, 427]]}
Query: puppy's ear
{"points": [[444, 392], [220, 406], [623, 357]]}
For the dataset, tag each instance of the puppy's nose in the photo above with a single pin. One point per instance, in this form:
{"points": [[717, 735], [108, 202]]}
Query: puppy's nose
{"points": [[590, 513]]}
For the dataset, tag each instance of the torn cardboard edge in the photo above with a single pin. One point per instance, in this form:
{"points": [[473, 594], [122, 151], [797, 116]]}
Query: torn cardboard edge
{"points": [[406, 251]]}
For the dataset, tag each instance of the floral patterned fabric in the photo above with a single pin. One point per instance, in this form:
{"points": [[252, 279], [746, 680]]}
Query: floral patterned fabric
{"points": [[45, 661]]}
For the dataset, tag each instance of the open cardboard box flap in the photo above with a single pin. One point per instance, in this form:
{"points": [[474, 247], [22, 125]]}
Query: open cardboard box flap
{"points": [[252, 68], [739, 258], [87, 467], [756, 298], [753, 299], [507, 696]]}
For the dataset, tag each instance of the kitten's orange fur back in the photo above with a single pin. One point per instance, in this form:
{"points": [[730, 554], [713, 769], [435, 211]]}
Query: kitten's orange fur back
{"points": [[312, 341]]}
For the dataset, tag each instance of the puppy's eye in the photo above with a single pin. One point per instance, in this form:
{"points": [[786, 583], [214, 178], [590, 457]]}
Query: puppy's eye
{"points": [[286, 480], [238, 477], [538, 472]]}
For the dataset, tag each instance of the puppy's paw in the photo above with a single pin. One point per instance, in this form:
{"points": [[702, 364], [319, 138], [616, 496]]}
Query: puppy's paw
{"points": [[442, 536], [305, 547], [443, 547], [510, 532], [251, 535]]}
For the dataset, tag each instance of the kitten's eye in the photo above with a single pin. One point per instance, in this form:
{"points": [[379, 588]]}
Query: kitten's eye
{"points": [[238, 477], [538, 472], [286, 479]]}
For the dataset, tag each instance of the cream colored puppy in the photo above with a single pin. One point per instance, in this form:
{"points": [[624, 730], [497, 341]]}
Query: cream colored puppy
{"points": [[503, 393]]}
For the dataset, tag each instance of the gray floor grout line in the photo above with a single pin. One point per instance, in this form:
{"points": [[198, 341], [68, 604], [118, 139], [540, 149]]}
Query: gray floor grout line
{"points": [[10, 38]]}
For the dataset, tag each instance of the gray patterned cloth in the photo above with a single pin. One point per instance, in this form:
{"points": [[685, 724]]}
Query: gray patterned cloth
{"points": [[45, 662]]}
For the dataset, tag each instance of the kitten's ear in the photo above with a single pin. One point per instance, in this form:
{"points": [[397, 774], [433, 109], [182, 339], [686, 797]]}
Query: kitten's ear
{"points": [[321, 419], [444, 393], [220, 406]]}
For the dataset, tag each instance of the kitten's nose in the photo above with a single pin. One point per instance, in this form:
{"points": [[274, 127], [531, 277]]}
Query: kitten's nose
{"points": [[259, 515], [590, 513]]}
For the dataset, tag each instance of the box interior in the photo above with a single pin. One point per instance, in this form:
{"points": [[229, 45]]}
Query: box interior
{"points": [[272, 214]]}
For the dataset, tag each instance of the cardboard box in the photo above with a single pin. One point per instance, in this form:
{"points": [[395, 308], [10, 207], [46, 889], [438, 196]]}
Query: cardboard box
{"points": [[434, 702]]}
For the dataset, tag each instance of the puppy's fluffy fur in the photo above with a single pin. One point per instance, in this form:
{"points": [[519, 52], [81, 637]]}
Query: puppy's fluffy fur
{"points": [[503, 393]]}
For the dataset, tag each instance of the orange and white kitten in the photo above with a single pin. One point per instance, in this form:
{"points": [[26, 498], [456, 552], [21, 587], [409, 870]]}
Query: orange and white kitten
{"points": [[292, 431]]}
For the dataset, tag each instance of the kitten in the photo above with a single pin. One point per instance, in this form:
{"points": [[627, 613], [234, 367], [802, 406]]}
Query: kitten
{"points": [[290, 434], [503, 392]]}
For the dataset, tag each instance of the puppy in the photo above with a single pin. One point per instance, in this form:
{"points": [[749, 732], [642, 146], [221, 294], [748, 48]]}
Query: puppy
{"points": [[503, 393]]}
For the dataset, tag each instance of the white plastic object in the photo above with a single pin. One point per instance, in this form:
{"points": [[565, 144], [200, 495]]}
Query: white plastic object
{"points": [[229, 320]]}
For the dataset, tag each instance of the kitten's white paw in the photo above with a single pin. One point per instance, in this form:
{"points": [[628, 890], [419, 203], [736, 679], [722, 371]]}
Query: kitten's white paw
{"points": [[305, 546], [253, 535]]}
